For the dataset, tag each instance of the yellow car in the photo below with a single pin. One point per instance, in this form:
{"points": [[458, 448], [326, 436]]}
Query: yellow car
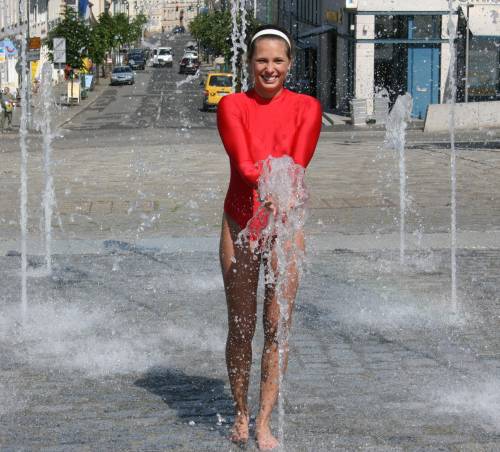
{"points": [[216, 86]]}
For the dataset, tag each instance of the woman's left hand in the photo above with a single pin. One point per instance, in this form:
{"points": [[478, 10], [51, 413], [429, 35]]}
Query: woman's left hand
{"points": [[269, 205]]}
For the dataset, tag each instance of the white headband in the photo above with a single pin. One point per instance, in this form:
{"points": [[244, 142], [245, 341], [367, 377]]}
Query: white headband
{"points": [[272, 31]]}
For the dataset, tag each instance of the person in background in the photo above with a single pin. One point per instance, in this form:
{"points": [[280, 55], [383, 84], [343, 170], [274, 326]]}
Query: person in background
{"points": [[7, 102]]}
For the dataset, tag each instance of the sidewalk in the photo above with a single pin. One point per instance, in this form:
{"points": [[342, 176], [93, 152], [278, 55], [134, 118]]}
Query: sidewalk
{"points": [[63, 112]]}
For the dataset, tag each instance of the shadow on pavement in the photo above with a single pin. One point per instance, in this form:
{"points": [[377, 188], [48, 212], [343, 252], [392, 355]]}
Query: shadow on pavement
{"points": [[200, 399]]}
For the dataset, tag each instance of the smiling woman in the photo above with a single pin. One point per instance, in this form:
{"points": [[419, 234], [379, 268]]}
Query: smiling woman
{"points": [[267, 121]]}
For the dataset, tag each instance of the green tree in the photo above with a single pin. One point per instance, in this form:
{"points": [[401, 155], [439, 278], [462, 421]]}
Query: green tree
{"points": [[213, 31], [77, 35], [120, 30], [137, 26], [101, 40]]}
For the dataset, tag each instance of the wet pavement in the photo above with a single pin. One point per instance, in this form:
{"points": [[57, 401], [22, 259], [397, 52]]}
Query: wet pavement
{"points": [[123, 346]]}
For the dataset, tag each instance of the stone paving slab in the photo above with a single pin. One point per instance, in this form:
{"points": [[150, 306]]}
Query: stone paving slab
{"points": [[125, 351], [123, 348]]}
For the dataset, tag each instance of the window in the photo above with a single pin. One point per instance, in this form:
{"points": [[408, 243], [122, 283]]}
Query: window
{"points": [[221, 80], [483, 69], [408, 27], [391, 27]]}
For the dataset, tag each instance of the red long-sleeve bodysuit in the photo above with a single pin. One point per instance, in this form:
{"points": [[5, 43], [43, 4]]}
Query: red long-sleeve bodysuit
{"points": [[252, 129]]}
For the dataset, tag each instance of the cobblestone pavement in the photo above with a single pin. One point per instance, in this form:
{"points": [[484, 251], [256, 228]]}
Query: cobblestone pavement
{"points": [[125, 351], [123, 346]]}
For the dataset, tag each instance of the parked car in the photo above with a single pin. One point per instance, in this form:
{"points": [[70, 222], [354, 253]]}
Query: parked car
{"points": [[163, 57], [189, 65], [179, 29], [216, 86], [136, 59], [122, 75]]}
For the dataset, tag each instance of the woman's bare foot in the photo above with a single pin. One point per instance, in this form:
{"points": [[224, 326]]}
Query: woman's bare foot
{"points": [[264, 438], [239, 432]]}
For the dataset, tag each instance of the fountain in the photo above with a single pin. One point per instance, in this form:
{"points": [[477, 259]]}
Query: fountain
{"points": [[283, 182], [395, 138], [48, 193], [188, 79], [238, 37], [452, 34], [23, 142], [243, 45]]}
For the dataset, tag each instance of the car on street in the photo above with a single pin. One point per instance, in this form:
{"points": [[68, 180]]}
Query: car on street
{"points": [[179, 29], [189, 65], [163, 57], [136, 59], [122, 75], [216, 86], [190, 53]]}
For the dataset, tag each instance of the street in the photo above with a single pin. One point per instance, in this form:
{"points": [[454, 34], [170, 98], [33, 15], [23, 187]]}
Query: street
{"points": [[123, 347], [155, 101]]}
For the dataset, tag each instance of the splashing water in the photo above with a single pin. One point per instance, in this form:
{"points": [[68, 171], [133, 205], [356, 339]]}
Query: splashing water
{"points": [[238, 36], [48, 194], [188, 79], [234, 39], [23, 143], [274, 237], [452, 34], [243, 45], [395, 137]]}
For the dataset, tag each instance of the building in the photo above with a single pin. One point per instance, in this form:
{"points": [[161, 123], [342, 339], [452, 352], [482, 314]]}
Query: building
{"points": [[43, 16], [266, 11], [164, 15], [350, 49]]}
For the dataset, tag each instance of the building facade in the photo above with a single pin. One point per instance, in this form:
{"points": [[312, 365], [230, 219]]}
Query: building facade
{"points": [[357, 49], [43, 16], [164, 15]]}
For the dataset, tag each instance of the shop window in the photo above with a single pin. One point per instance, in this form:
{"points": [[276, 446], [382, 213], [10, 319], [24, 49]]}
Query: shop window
{"points": [[407, 27], [425, 27], [483, 69], [391, 27]]}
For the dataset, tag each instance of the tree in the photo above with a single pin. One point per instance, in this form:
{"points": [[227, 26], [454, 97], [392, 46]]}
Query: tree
{"points": [[213, 30], [137, 26], [101, 40], [77, 36]]}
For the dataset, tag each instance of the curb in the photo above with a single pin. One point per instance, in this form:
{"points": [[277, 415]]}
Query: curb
{"points": [[88, 103]]}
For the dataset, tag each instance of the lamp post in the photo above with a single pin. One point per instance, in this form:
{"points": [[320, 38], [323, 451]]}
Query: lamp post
{"points": [[468, 6]]}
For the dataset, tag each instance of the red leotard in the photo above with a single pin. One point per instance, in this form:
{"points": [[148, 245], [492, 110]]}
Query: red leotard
{"points": [[252, 129]]}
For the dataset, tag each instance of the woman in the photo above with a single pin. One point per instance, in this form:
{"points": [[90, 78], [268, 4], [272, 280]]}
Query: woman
{"points": [[268, 120]]}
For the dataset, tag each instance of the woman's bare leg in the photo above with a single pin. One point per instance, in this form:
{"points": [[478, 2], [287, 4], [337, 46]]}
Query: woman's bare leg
{"points": [[240, 270], [269, 385]]}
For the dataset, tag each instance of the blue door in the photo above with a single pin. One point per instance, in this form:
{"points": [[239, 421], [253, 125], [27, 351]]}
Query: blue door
{"points": [[423, 77]]}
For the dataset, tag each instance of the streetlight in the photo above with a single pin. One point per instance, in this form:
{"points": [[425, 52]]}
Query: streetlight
{"points": [[468, 6]]}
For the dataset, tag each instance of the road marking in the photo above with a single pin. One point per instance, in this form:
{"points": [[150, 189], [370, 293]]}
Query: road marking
{"points": [[159, 107]]}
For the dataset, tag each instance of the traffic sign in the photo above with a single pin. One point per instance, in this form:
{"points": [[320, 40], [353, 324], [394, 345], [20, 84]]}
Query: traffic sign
{"points": [[33, 55], [35, 43], [59, 50]]}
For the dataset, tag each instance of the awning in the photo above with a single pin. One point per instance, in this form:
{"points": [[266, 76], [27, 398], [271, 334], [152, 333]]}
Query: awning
{"points": [[484, 20], [316, 31], [301, 44]]}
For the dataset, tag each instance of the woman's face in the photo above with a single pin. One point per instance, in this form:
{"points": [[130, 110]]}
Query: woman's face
{"points": [[270, 65]]}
